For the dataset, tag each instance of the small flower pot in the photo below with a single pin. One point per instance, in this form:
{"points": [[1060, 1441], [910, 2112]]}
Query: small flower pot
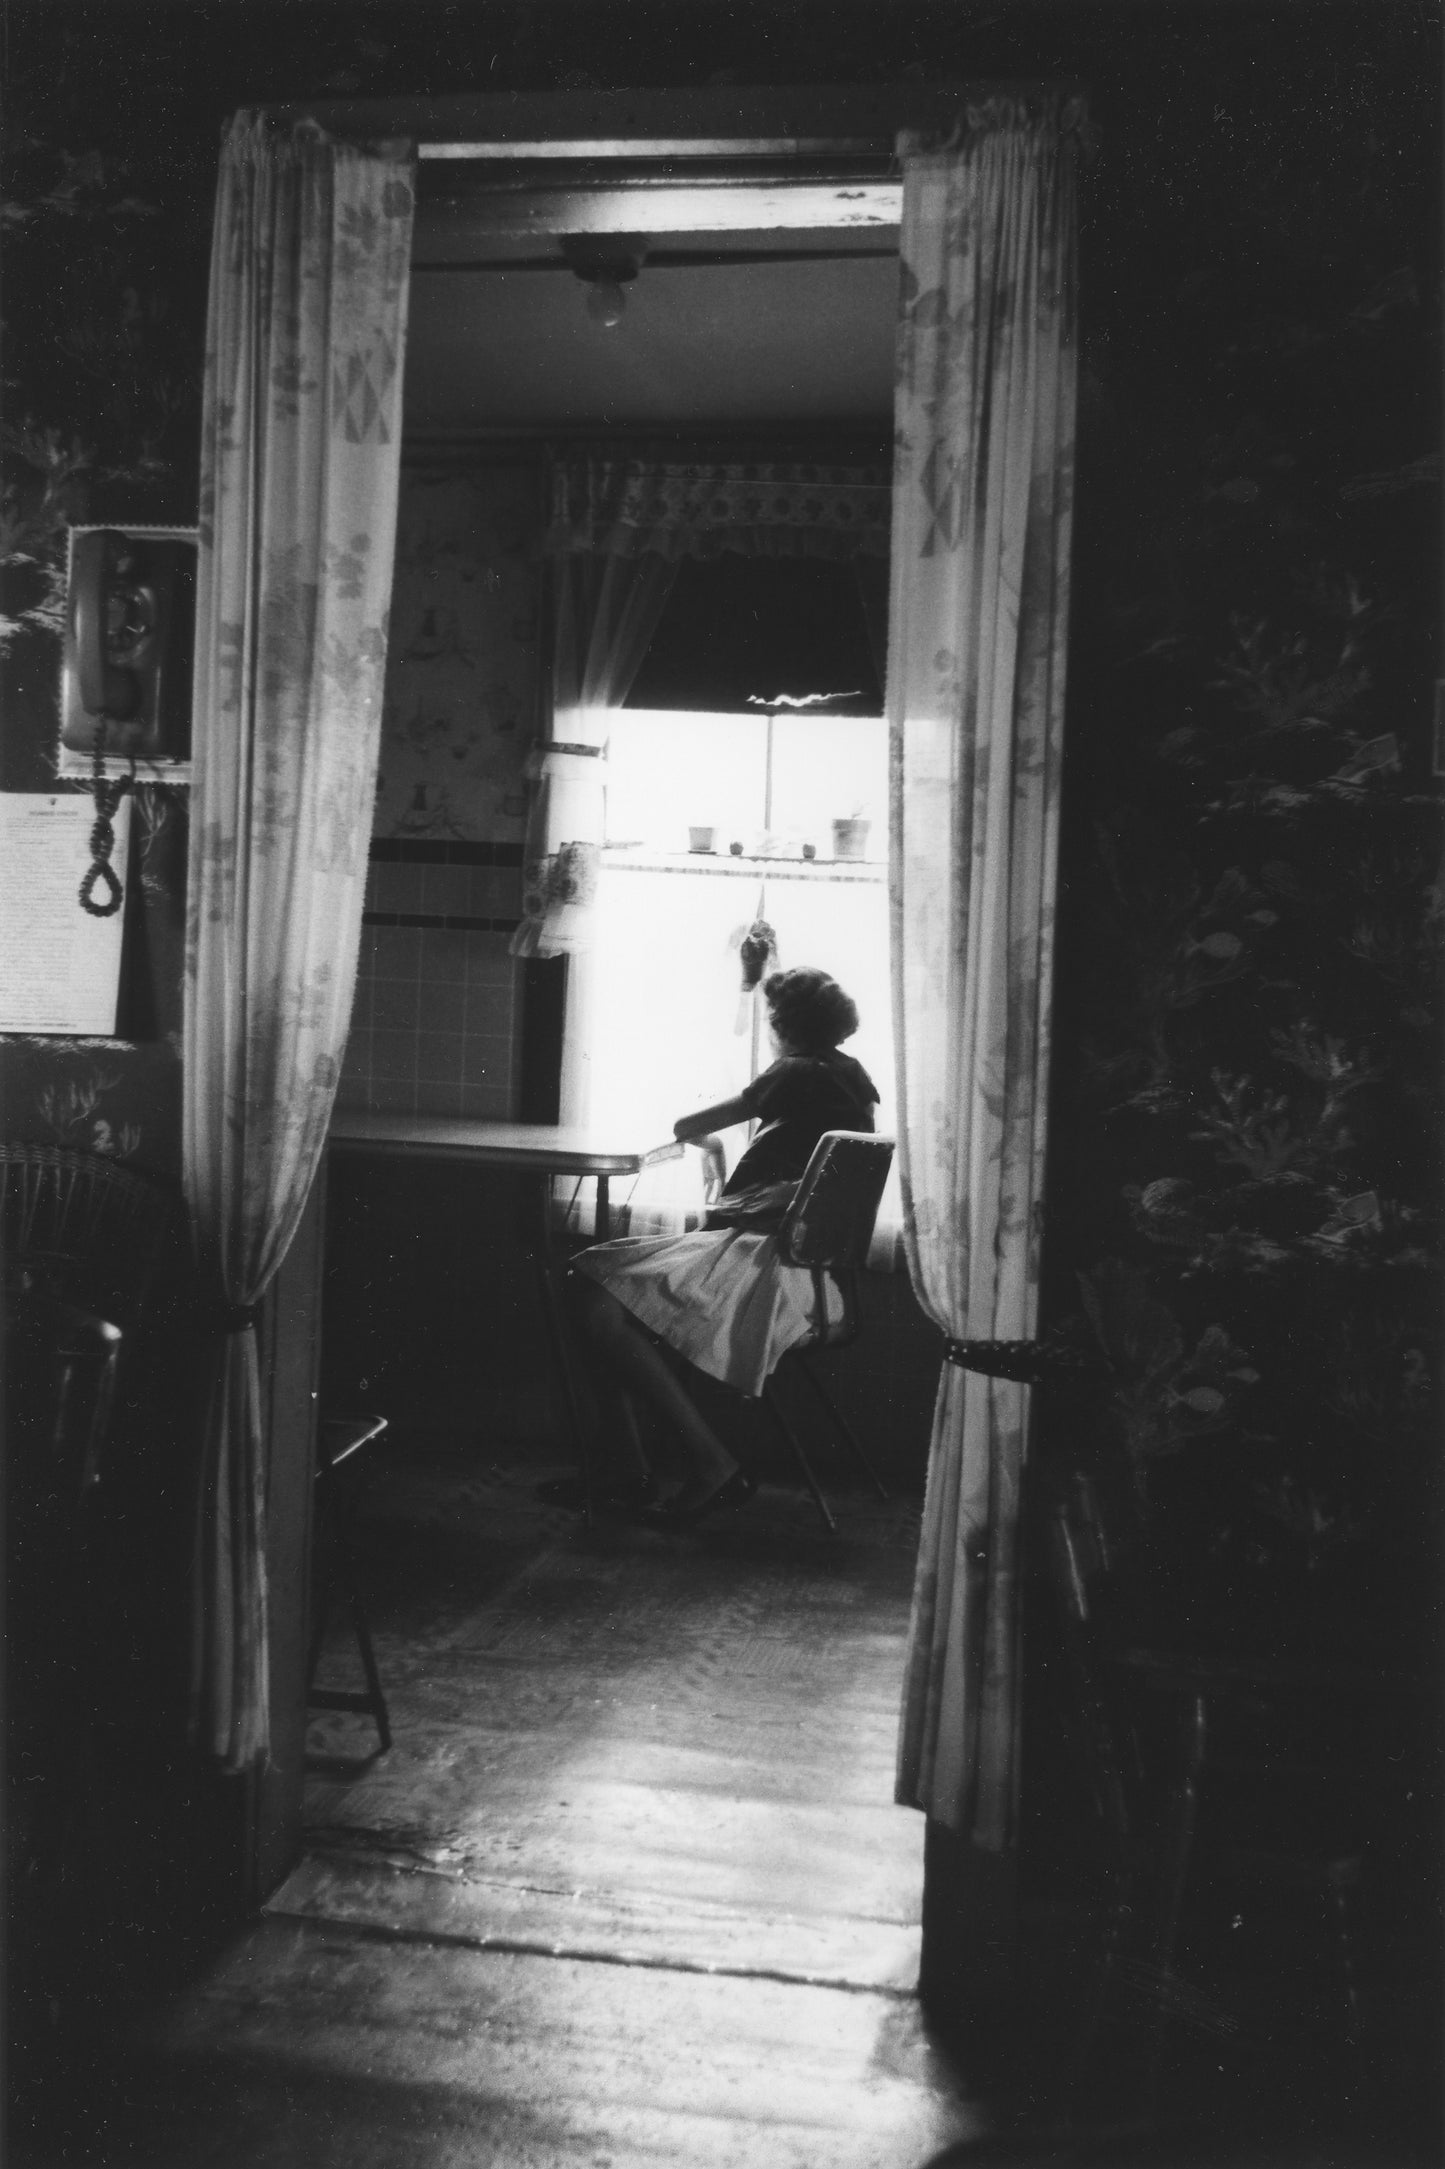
{"points": [[850, 839]]}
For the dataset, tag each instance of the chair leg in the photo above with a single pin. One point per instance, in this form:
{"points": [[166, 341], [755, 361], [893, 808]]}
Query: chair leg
{"points": [[340, 1568], [368, 1663], [844, 1428], [321, 1608], [775, 1407], [561, 1347]]}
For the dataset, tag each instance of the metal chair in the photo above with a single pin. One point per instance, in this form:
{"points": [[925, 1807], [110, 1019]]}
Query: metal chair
{"points": [[827, 1229], [338, 1439]]}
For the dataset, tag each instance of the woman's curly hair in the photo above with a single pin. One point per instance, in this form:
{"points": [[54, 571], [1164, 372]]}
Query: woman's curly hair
{"points": [[809, 1009]]}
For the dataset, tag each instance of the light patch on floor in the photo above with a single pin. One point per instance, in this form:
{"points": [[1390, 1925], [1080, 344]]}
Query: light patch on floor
{"points": [[629, 1888]]}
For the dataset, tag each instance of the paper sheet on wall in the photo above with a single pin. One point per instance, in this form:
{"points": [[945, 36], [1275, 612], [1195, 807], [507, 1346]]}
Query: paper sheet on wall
{"points": [[59, 966]]}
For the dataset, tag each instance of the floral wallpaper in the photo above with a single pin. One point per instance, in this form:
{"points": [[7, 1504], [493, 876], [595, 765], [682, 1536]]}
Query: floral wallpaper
{"points": [[462, 673], [1247, 1189]]}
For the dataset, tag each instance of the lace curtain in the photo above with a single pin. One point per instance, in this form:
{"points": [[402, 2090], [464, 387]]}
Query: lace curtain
{"points": [[619, 527], [607, 609], [981, 530], [626, 506], [299, 469]]}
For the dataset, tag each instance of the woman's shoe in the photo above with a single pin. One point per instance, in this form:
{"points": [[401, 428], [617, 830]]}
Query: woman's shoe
{"points": [[732, 1492]]}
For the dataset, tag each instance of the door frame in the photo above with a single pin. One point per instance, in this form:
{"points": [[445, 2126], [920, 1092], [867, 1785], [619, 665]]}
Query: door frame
{"points": [[812, 156]]}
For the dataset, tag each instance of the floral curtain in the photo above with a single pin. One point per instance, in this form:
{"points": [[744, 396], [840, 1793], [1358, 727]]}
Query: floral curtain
{"points": [[981, 530], [299, 471]]}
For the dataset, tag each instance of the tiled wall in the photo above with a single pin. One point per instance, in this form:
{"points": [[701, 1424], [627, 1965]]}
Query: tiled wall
{"points": [[433, 1029]]}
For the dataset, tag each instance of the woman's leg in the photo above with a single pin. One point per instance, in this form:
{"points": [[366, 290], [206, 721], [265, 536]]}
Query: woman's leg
{"points": [[624, 1433], [622, 1474], [626, 1348]]}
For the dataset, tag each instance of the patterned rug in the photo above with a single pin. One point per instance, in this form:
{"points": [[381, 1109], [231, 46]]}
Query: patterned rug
{"points": [[667, 1749]]}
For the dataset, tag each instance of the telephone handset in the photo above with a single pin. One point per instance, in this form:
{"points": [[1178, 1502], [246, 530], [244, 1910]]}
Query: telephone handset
{"points": [[129, 631], [117, 620]]}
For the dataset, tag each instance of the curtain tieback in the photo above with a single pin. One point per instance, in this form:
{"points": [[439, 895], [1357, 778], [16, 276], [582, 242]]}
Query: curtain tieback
{"points": [[231, 1317], [1026, 1363], [1019, 1360]]}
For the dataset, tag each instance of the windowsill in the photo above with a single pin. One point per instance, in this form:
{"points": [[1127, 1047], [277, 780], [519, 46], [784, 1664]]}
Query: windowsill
{"points": [[634, 858]]}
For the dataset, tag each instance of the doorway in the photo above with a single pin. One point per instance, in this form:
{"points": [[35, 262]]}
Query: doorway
{"points": [[636, 1673]]}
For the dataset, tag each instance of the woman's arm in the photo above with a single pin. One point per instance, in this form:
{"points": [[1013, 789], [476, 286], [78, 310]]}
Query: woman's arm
{"points": [[690, 1128]]}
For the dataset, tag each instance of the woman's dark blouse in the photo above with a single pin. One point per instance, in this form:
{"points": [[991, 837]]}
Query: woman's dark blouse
{"points": [[800, 1097]]}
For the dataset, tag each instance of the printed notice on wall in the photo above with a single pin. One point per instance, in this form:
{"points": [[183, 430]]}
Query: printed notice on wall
{"points": [[59, 966]]}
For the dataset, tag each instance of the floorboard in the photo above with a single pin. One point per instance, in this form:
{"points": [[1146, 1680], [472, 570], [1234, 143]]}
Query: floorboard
{"points": [[630, 1886]]}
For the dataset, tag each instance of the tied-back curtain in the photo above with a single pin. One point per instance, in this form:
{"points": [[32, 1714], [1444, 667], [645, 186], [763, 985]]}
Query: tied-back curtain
{"points": [[299, 472], [606, 610], [981, 530]]}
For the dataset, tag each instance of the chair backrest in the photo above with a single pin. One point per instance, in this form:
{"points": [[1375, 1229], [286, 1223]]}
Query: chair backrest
{"points": [[81, 1228], [829, 1224]]}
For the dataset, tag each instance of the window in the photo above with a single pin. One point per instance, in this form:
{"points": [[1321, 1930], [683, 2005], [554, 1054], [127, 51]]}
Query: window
{"points": [[668, 1027]]}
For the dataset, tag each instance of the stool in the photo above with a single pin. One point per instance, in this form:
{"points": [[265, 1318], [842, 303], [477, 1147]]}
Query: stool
{"points": [[340, 1438]]}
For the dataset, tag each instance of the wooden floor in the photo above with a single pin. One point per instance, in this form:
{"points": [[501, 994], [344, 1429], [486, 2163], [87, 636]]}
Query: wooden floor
{"points": [[629, 1887]]}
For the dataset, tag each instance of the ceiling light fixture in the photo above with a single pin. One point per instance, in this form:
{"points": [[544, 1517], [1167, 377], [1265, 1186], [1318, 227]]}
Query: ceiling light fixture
{"points": [[606, 263]]}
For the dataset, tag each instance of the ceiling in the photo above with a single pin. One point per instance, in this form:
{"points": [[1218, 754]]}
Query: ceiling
{"points": [[722, 325], [736, 343]]}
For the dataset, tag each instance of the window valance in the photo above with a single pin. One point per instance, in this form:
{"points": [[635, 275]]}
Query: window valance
{"points": [[628, 506]]}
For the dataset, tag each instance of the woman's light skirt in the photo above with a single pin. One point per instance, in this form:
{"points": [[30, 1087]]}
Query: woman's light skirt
{"points": [[724, 1299]]}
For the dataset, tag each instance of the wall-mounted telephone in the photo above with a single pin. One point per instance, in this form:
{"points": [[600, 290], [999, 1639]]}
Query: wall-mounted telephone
{"points": [[129, 637]]}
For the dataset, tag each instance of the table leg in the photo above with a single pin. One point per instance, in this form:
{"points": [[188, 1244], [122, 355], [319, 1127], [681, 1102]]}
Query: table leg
{"points": [[561, 1346], [603, 1218]]}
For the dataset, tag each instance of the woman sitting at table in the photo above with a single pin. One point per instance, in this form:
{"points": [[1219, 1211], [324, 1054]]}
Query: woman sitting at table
{"points": [[720, 1296]]}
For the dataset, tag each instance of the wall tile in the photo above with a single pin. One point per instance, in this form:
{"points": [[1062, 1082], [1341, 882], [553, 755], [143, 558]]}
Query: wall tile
{"points": [[358, 1044], [483, 1101], [489, 963], [442, 1006], [393, 1056], [394, 1003], [394, 887], [393, 1096], [444, 956], [489, 1018], [397, 954], [494, 892], [488, 1061], [440, 1055], [446, 890]]}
